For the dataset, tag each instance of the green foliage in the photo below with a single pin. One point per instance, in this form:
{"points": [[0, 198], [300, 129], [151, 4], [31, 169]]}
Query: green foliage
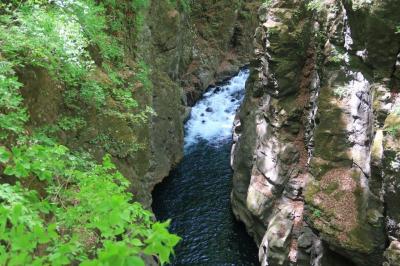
{"points": [[70, 123], [331, 188], [143, 75], [358, 4], [65, 123], [315, 5], [336, 59], [341, 92], [59, 38], [64, 208], [12, 114], [94, 220], [93, 93], [115, 146], [337, 56], [44, 37], [316, 212], [4, 155], [184, 5], [22, 229], [268, 2], [394, 130], [94, 25], [140, 6], [125, 96], [27, 160]]}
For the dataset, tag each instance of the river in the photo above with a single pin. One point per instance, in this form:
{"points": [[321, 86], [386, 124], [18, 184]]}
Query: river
{"points": [[196, 194]]}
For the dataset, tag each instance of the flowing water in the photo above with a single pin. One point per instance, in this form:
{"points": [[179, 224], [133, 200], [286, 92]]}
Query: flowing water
{"points": [[196, 195]]}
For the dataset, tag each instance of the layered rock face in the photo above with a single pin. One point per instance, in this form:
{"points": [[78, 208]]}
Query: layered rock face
{"points": [[315, 158]]}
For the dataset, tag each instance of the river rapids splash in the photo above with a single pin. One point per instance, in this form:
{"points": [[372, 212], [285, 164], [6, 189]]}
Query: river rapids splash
{"points": [[211, 119]]}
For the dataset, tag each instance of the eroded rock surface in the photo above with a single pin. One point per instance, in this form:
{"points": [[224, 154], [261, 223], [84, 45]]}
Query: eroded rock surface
{"points": [[316, 146]]}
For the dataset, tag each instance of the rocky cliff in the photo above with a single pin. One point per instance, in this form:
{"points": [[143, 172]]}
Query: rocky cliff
{"points": [[316, 150], [189, 51], [182, 51]]}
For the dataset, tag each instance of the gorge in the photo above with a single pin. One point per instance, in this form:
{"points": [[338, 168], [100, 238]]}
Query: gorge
{"points": [[112, 110]]}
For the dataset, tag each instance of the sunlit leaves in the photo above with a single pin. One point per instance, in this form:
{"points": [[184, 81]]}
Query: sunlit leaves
{"points": [[34, 159], [315, 5], [118, 254], [12, 114], [81, 198], [161, 241], [65, 208], [4, 155]]}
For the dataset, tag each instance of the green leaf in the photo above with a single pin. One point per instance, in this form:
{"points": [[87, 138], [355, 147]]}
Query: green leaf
{"points": [[134, 261], [51, 230], [136, 242], [4, 155], [4, 256], [21, 169], [41, 235]]}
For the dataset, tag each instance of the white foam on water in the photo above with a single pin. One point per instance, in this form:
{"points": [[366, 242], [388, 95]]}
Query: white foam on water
{"points": [[348, 40], [211, 119]]}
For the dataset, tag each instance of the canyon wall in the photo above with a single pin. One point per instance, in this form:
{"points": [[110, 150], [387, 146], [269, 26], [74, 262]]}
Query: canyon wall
{"points": [[184, 51], [316, 142], [188, 52]]}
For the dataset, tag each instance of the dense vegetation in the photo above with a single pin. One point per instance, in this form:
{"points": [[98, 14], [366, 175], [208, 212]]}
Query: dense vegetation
{"points": [[59, 206]]}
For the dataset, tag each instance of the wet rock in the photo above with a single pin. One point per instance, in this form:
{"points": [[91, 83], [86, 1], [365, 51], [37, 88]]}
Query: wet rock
{"points": [[217, 90], [186, 115], [392, 254]]}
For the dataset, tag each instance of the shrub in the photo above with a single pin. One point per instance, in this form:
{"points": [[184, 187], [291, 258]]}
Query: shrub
{"points": [[92, 213]]}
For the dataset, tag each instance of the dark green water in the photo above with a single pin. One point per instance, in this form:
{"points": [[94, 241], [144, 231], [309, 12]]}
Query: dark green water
{"points": [[196, 196]]}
